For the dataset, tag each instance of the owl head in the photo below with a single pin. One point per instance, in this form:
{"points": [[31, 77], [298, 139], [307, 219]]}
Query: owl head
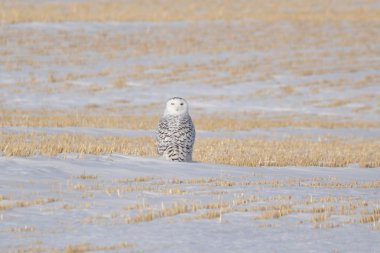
{"points": [[176, 106]]}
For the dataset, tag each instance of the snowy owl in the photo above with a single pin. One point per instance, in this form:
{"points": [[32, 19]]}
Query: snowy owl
{"points": [[176, 132]]}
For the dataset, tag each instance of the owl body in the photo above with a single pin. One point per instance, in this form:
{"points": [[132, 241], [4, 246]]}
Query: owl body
{"points": [[176, 132]]}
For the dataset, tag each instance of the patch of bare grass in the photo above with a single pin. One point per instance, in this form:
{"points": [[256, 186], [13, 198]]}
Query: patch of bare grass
{"points": [[85, 176], [25, 203], [23, 11], [87, 247], [242, 152], [275, 211], [45, 118], [176, 208], [293, 151], [370, 216]]}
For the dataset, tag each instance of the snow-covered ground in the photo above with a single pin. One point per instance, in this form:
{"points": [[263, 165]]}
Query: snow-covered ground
{"points": [[134, 65], [238, 68], [90, 201]]}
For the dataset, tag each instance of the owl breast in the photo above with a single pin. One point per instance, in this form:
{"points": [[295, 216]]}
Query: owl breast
{"points": [[175, 138]]}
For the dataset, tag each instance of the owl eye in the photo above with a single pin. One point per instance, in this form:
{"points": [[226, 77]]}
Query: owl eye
{"points": [[181, 104], [172, 103]]}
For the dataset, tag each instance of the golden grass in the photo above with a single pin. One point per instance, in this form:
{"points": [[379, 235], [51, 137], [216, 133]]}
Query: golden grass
{"points": [[119, 190], [137, 10], [85, 176], [45, 118], [320, 209], [372, 217], [176, 208], [40, 118], [275, 212], [369, 184], [25, 203], [243, 200], [293, 151], [136, 206], [209, 214], [50, 145], [242, 152], [320, 215], [34, 249], [274, 207], [87, 247], [212, 210]]}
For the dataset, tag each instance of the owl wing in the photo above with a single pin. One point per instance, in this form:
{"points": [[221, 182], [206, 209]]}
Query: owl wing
{"points": [[162, 136], [190, 133]]}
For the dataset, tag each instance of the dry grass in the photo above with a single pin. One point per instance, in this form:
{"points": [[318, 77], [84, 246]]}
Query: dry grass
{"points": [[372, 217], [24, 203], [319, 217], [44, 118], [275, 212], [50, 145], [269, 208], [176, 208], [212, 210], [136, 206], [86, 247], [74, 248], [242, 152], [41, 118], [85, 176], [34, 249], [262, 208], [23, 11], [293, 151], [320, 212], [369, 184]]}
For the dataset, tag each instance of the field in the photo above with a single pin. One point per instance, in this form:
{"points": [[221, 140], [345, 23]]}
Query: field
{"points": [[284, 96], [115, 203]]}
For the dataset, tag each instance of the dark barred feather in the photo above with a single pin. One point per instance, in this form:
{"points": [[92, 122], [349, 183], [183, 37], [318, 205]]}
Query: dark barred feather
{"points": [[175, 138]]}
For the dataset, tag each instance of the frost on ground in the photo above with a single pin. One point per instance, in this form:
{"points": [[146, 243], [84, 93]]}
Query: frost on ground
{"points": [[119, 204]]}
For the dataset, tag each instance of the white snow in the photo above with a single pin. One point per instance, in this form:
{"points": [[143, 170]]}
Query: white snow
{"points": [[98, 216]]}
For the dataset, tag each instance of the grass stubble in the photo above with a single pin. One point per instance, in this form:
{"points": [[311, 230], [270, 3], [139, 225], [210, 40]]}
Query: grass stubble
{"points": [[99, 118], [266, 212], [171, 10], [227, 199], [295, 151], [227, 196]]}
